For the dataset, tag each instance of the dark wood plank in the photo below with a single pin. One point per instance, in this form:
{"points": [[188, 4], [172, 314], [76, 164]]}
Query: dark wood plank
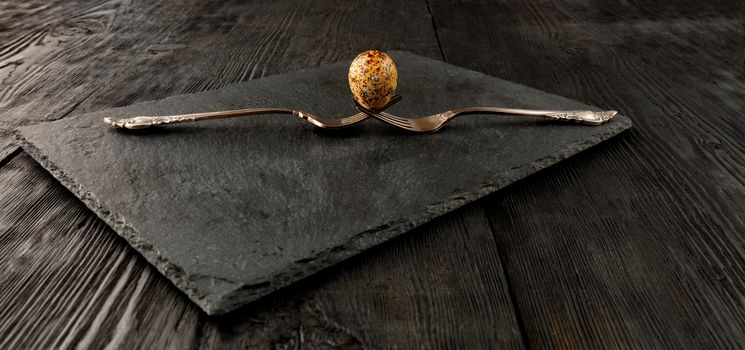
{"points": [[638, 244], [67, 279]]}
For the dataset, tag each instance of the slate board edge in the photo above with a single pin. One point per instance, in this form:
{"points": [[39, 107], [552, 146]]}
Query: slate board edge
{"points": [[219, 304]]}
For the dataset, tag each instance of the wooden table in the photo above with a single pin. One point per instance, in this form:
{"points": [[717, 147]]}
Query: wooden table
{"points": [[638, 243]]}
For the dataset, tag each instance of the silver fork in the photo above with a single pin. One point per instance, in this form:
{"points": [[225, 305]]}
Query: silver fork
{"points": [[435, 122], [144, 122]]}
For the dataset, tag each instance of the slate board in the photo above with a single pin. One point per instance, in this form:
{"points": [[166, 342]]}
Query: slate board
{"points": [[230, 210]]}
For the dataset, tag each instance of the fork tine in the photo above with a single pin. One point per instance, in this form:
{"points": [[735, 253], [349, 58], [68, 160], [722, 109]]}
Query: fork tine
{"points": [[358, 117], [388, 118], [395, 99], [391, 116], [394, 122]]}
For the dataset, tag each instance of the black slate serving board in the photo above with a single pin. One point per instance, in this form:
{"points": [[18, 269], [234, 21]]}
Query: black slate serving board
{"points": [[230, 210]]}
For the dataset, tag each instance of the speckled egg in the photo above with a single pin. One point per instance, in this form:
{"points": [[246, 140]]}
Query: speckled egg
{"points": [[373, 79]]}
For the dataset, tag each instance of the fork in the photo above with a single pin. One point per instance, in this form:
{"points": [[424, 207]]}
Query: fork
{"points": [[435, 122], [144, 122]]}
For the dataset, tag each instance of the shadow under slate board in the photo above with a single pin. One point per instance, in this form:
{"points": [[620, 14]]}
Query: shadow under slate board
{"points": [[230, 210]]}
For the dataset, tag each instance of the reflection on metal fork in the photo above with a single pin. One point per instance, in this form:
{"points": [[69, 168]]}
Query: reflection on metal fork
{"points": [[435, 122]]}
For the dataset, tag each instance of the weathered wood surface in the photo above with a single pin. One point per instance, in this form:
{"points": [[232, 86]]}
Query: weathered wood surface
{"points": [[67, 280], [638, 244]]}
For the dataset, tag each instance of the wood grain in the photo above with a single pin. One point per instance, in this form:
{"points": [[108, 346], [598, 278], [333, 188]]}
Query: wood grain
{"points": [[639, 243], [68, 280]]}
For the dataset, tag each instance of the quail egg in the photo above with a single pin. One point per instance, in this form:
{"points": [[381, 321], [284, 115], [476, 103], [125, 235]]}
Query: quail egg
{"points": [[373, 79]]}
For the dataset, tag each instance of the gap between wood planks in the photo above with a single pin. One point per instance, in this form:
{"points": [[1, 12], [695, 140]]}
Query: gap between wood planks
{"points": [[500, 252], [434, 28]]}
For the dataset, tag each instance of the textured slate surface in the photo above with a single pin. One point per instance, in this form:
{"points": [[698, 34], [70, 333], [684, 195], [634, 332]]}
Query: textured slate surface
{"points": [[231, 210]]}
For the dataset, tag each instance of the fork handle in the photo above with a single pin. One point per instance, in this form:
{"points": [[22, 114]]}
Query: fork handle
{"points": [[142, 122], [580, 116]]}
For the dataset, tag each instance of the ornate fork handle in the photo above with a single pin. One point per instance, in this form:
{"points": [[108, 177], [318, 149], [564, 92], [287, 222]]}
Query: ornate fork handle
{"points": [[142, 122], [579, 116]]}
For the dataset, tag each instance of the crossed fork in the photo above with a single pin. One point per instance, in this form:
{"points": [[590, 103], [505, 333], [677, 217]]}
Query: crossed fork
{"points": [[426, 124]]}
